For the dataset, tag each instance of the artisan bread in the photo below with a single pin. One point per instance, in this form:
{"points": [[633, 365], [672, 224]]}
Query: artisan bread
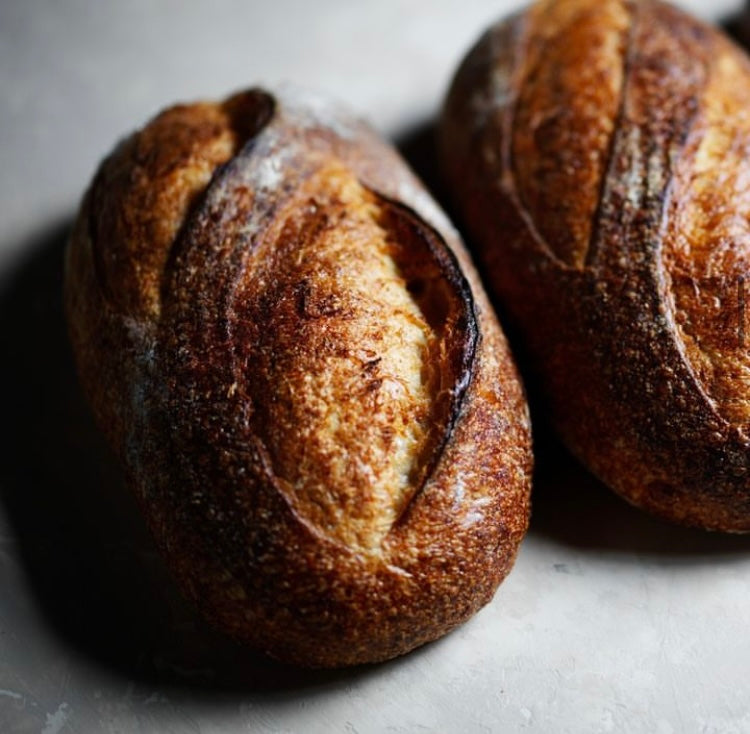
{"points": [[598, 151], [285, 342]]}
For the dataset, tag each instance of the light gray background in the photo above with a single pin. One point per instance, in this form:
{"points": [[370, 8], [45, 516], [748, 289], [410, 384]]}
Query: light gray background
{"points": [[611, 621]]}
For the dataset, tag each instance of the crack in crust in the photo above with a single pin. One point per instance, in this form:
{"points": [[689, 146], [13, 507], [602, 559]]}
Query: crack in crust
{"points": [[570, 85]]}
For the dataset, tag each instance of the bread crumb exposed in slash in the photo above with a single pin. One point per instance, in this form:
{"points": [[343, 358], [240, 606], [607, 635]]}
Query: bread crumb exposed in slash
{"points": [[359, 394]]}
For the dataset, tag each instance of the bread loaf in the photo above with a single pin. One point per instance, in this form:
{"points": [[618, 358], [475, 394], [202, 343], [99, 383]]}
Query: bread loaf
{"points": [[285, 342], [598, 151]]}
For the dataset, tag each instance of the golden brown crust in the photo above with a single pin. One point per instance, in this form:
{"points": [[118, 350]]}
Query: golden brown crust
{"points": [[630, 317], [288, 346], [565, 115]]}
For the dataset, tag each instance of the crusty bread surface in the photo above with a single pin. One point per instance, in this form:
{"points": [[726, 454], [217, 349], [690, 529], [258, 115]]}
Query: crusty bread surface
{"points": [[286, 343], [598, 153]]}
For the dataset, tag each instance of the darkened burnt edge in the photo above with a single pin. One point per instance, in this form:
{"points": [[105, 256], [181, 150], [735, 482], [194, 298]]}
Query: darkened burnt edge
{"points": [[592, 248], [467, 325], [249, 112]]}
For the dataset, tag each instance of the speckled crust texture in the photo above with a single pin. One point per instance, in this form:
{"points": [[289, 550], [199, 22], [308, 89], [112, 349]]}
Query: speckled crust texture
{"points": [[284, 339], [598, 153]]}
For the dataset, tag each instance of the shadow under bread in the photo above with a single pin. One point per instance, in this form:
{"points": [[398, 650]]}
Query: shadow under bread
{"points": [[83, 545]]}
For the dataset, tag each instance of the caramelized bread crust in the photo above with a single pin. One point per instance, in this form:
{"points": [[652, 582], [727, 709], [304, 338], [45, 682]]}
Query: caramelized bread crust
{"points": [[598, 151], [286, 343]]}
